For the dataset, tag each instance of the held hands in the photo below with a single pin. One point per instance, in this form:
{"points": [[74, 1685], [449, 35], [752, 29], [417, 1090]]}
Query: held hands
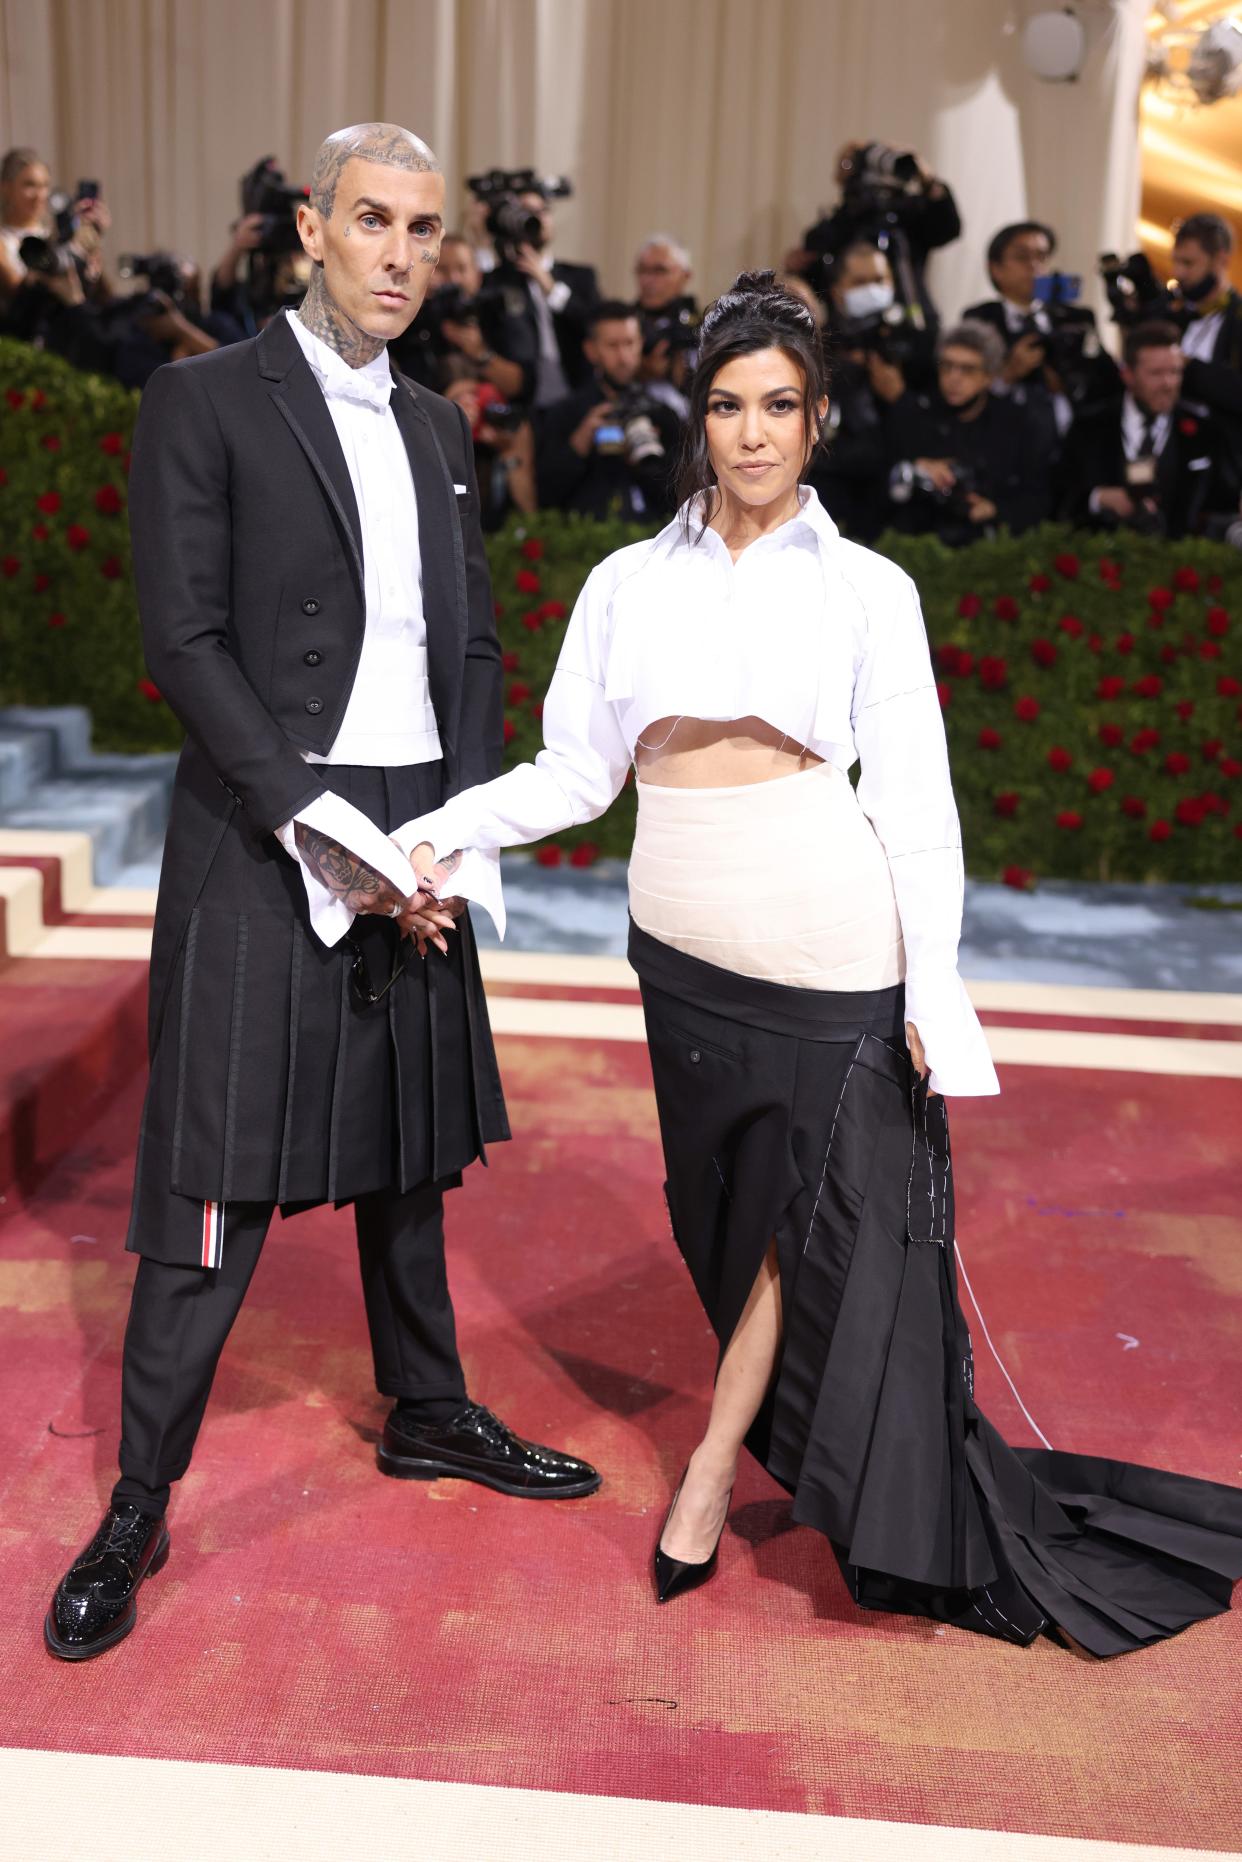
{"points": [[427, 915]]}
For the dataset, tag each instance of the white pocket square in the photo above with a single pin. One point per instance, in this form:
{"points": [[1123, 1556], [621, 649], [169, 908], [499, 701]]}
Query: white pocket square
{"points": [[461, 490]]}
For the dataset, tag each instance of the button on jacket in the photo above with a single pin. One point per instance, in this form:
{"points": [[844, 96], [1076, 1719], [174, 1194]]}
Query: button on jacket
{"points": [[822, 639]]}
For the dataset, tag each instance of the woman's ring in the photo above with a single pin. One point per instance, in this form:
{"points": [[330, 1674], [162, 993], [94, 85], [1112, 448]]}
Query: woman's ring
{"points": [[395, 911]]}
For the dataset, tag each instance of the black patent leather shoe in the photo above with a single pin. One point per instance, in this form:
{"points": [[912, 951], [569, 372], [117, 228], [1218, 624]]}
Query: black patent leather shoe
{"points": [[474, 1445], [94, 1605], [675, 1575]]}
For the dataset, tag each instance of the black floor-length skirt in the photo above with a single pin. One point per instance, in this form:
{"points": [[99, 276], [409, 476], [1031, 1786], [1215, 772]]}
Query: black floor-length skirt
{"points": [[795, 1114]]}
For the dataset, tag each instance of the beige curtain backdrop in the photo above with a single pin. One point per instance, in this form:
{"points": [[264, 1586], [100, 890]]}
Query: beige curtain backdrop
{"points": [[715, 120]]}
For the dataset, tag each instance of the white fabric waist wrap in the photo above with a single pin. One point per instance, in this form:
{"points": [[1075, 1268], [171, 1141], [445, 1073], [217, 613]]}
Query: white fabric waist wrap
{"points": [[699, 880]]}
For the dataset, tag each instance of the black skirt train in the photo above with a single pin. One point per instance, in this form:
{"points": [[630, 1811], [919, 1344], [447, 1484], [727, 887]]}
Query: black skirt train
{"points": [[796, 1114]]}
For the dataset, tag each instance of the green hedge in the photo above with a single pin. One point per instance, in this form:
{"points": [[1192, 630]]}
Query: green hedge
{"points": [[1092, 687]]}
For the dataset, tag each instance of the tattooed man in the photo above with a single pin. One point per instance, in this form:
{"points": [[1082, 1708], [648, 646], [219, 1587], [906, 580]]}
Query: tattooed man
{"points": [[316, 610]]}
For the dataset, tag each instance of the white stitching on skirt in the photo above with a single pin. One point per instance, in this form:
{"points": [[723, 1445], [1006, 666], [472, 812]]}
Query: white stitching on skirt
{"points": [[823, 1175]]}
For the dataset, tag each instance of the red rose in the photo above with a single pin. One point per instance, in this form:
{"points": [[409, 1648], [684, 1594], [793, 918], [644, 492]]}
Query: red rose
{"points": [[1230, 766], [1186, 579], [1043, 652], [77, 537], [10, 566], [1213, 804], [1227, 687], [509, 661], [38, 399], [1211, 749], [1159, 830], [518, 693], [536, 710], [107, 500], [39, 532], [497, 609], [1019, 877], [554, 610], [1110, 687], [4, 477], [1168, 653], [989, 739], [1218, 621], [992, 673], [1144, 740], [1110, 571], [944, 692], [1111, 734], [14, 397], [1069, 818], [1155, 620], [1133, 805], [1066, 564], [50, 442], [1188, 425], [1125, 643], [1209, 649], [1190, 811], [1160, 598], [947, 656], [110, 568], [1071, 625], [1099, 780], [532, 621], [1095, 643], [1005, 608], [586, 853], [112, 444], [969, 606], [48, 502], [526, 582], [1184, 707], [549, 856], [1027, 709], [1039, 584], [510, 730], [55, 620], [1177, 762], [532, 549], [1006, 803], [41, 584], [1150, 686], [1059, 757], [150, 691]]}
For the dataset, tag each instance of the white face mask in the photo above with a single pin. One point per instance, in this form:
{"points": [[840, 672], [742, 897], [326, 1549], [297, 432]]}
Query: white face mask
{"points": [[868, 300]]}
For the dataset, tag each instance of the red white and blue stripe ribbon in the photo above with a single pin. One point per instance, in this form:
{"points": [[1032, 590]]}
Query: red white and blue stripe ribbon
{"points": [[213, 1234]]}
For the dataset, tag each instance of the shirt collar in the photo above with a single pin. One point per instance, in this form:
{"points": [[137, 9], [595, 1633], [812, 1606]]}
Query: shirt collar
{"points": [[369, 386], [811, 516]]}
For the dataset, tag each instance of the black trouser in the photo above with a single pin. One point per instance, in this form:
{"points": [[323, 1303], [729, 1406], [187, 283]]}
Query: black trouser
{"points": [[180, 1317]]}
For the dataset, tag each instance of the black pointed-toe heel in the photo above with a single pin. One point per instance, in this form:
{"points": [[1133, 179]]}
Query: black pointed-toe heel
{"points": [[674, 1575]]}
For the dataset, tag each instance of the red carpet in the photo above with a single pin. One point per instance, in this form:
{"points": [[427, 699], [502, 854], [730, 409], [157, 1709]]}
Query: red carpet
{"points": [[314, 1614]]}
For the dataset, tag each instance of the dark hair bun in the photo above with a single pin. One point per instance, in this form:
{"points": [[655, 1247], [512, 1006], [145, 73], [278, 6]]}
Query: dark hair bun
{"points": [[757, 294]]}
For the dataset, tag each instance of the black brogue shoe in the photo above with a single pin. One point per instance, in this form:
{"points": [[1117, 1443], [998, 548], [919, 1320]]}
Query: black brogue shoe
{"points": [[474, 1445], [94, 1606]]}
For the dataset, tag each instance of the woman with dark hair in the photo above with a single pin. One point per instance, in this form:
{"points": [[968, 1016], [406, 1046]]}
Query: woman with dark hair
{"points": [[796, 942]]}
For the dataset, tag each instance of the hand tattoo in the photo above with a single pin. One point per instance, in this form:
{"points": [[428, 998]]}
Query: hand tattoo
{"points": [[346, 876]]}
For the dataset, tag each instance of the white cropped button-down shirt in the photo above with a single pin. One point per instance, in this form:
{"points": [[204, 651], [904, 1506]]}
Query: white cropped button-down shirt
{"points": [[822, 639]]}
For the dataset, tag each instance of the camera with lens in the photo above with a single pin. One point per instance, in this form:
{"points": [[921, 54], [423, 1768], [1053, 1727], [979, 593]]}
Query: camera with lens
{"points": [[889, 335], [1135, 294], [675, 324], [630, 428], [907, 483], [879, 173], [509, 223], [162, 271], [51, 257], [264, 190]]}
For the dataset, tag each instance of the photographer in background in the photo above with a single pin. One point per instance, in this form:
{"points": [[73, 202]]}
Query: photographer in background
{"points": [[1053, 359], [51, 261], [873, 351], [610, 449], [534, 308], [965, 460], [1147, 461], [445, 343], [889, 200], [504, 451], [670, 318], [165, 321], [1210, 312], [263, 269]]}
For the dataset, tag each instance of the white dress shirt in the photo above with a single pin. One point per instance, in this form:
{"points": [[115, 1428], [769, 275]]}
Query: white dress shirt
{"points": [[821, 638], [389, 720], [1199, 336]]}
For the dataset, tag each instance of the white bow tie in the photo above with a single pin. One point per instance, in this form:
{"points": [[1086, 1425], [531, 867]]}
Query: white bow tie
{"points": [[368, 387]]}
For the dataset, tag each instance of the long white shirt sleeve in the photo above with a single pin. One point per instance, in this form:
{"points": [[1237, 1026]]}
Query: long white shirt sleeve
{"points": [[822, 639]]}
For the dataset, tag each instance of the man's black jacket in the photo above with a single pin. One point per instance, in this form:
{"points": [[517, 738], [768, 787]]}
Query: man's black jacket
{"points": [[1185, 483]]}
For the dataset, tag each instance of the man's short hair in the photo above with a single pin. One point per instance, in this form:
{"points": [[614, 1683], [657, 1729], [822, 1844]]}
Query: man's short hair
{"points": [[15, 162], [611, 310], [385, 143], [1000, 243], [1207, 230], [681, 254], [972, 334], [1152, 335]]}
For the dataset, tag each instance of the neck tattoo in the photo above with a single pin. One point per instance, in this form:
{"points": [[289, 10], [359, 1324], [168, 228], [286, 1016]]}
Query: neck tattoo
{"points": [[324, 318]]}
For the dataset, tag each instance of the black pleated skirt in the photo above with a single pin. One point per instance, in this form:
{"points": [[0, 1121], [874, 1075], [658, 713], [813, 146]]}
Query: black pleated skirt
{"points": [[796, 1115], [273, 1080]]}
